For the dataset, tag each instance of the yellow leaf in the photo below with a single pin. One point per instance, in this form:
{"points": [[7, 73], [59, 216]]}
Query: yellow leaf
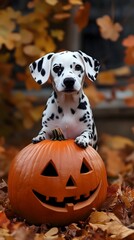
{"points": [[20, 57], [50, 45], [13, 14], [75, 2], [28, 122], [117, 142], [66, 7], [61, 16], [26, 36], [31, 50], [59, 34], [51, 2], [36, 113]]}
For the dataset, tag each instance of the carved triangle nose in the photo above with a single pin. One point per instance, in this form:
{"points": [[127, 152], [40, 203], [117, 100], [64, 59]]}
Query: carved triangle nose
{"points": [[71, 182]]}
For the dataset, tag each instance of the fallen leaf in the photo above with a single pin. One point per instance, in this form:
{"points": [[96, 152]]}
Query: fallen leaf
{"points": [[81, 17], [109, 29], [113, 161], [3, 184], [53, 231], [116, 142], [110, 223], [4, 221]]}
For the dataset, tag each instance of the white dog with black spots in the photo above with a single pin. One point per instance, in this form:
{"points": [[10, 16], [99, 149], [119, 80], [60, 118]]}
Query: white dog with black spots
{"points": [[68, 108]]}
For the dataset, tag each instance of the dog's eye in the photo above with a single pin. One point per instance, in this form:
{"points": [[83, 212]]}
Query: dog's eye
{"points": [[78, 67], [56, 69]]}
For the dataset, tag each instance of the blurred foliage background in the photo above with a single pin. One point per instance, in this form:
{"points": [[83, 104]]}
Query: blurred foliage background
{"points": [[31, 29], [103, 29]]}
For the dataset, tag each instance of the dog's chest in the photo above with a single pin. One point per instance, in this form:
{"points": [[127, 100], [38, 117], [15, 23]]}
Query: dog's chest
{"points": [[68, 117], [71, 125]]}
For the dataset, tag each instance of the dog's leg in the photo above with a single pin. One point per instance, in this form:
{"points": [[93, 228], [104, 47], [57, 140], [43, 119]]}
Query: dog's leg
{"points": [[41, 136], [87, 138]]}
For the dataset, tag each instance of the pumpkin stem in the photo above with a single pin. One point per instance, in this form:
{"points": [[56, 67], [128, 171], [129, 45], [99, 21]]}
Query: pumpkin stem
{"points": [[57, 134]]}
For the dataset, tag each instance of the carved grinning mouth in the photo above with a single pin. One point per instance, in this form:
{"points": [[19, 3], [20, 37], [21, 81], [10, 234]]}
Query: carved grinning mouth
{"points": [[52, 201]]}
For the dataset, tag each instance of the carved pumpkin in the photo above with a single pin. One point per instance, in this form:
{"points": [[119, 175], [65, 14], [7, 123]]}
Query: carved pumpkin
{"points": [[56, 182]]}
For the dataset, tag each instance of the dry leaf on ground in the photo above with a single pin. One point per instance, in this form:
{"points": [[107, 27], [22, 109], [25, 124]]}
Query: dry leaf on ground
{"points": [[110, 223]]}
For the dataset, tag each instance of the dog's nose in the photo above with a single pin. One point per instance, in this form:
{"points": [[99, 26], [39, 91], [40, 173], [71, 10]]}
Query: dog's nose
{"points": [[69, 82]]}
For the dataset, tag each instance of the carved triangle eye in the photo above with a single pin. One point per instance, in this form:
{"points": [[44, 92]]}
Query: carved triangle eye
{"points": [[50, 170], [85, 167], [70, 182]]}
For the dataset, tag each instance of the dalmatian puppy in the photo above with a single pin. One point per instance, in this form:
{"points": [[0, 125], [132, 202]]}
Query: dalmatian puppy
{"points": [[68, 107]]}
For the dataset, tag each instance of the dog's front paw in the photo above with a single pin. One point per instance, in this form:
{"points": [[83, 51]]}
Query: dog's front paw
{"points": [[38, 139], [81, 141]]}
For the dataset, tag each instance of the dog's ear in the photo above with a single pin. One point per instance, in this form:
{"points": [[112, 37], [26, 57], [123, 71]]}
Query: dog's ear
{"points": [[92, 65], [40, 69]]}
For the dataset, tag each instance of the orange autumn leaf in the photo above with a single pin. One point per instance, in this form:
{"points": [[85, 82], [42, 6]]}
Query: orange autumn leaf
{"points": [[75, 2], [128, 41], [129, 56], [114, 162], [4, 221], [31, 50], [107, 78], [26, 36], [94, 95], [61, 16], [27, 78], [116, 142], [129, 101], [109, 29], [82, 16]]}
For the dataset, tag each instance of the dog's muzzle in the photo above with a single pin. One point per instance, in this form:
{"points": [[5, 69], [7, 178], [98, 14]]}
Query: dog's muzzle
{"points": [[69, 84]]}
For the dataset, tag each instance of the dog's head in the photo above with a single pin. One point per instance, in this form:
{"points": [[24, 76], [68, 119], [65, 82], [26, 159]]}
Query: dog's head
{"points": [[66, 69]]}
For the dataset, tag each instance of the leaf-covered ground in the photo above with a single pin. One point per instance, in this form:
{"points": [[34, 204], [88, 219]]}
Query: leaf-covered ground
{"points": [[115, 218]]}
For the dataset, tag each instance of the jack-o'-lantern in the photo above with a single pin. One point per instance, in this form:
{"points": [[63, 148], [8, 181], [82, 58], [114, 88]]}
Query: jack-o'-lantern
{"points": [[56, 182]]}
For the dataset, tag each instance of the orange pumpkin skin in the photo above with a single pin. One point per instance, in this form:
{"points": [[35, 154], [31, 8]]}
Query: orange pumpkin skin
{"points": [[56, 182]]}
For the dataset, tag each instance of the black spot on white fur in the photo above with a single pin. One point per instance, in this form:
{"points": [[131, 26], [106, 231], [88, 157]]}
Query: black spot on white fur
{"points": [[43, 72], [39, 82], [60, 110], [49, 56], [40, 64], [72, 111], [82, 105], [34, 65]]}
